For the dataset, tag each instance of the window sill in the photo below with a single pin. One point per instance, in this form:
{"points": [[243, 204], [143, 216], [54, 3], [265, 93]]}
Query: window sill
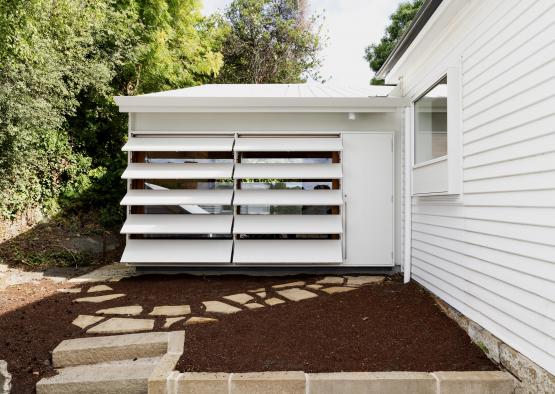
{"points": [[430, 162]]}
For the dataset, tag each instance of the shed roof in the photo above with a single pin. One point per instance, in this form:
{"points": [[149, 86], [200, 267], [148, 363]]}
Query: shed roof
{"points": [[277, 90], [310, 97]]}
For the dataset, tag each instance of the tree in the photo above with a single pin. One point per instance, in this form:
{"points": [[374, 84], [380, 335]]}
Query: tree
{"points": [[400, 20], [61, 61], [270, 41]]}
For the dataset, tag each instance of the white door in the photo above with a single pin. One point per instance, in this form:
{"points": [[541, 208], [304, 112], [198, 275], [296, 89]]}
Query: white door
{"points": [[368, 190]]}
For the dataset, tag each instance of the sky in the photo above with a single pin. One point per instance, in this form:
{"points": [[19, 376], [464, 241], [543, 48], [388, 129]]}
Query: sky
{"points": [[351, 25]]}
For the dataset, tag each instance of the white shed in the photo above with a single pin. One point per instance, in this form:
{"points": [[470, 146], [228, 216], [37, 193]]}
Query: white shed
{"points": [[449, 176], [258, 175]]}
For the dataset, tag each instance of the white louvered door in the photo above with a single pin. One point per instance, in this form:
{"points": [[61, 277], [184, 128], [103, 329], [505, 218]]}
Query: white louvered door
{"points": [[180, 200], [259, 200], [288, 200]]}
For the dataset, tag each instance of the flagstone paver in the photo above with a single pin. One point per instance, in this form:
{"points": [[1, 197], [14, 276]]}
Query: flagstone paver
{"points": [[256, 290], [119, 325], [273, 301], [296, 294], [254, 305], [172, 320], [331, 280], [262, 294], [170, 310], [99, 288], [83, 321], [364, 280], [220, 307], [314, 287], [290, 284], [241, 298], [200, 320], [97, 299], [71, 290], [338, 289], [131, 310]]}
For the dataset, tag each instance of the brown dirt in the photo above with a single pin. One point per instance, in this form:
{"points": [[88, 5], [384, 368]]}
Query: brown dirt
{"points": [[376, 328], [390, 327]]}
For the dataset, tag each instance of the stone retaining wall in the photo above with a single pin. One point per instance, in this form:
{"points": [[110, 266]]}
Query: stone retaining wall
{"points": [[530, 377], [483, 382]]}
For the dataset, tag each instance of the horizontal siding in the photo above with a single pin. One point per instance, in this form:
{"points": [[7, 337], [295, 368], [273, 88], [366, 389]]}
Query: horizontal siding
{"points": [[491, 254], [481, 313]]}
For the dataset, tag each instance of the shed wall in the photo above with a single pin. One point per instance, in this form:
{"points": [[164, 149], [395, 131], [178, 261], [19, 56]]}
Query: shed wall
{"points": [[490, 252], [274, 123]]}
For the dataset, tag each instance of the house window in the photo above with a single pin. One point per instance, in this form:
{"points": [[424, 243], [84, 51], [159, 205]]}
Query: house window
{"points": [[430, 110]]}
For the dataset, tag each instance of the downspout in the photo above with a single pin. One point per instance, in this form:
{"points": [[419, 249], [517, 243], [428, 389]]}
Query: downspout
{"points": [[407, 192]]}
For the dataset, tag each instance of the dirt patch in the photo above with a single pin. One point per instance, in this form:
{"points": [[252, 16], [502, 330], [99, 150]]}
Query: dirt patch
{"points": [[374, 328], [390, 327]]}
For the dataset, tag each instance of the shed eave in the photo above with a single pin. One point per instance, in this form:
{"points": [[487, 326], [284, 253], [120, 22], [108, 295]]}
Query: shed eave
{"points": [[258, 104]]}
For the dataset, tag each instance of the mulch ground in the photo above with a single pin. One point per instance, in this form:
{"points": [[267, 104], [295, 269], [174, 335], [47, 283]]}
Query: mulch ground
{"points": [[387, 327]]}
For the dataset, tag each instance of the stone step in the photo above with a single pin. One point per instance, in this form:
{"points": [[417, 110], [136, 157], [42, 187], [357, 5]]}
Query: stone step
{"points": [[95, 350], [117, 377]]}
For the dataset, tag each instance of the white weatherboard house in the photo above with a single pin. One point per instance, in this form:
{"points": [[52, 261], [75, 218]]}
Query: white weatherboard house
{"points": [[448, 176]]}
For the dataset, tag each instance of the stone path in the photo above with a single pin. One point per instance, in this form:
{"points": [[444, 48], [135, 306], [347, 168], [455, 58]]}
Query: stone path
{"points": [[134, 318]]}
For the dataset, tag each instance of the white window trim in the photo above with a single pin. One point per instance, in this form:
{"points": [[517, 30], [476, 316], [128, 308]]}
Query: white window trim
{"points": [[452, 183]]}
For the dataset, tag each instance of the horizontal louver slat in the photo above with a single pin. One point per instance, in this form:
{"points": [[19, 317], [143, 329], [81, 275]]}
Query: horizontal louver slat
{"points": [[176, 251], [313, 251], [288, 197], [288, 224], [177, 224], [330, 144], [288, 171], [178, 171], [177, 197], [170, 144]]}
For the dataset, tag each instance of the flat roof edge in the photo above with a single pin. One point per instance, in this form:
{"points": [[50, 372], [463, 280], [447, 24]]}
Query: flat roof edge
{"points": [[258, 104]]}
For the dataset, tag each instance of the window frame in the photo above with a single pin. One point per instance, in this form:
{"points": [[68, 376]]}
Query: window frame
{"points": [[446, 170], [414, 120]]}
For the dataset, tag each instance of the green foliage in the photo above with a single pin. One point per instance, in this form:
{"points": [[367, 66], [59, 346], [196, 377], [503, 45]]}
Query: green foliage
{"points": [[377, 53], [62, 61], [60, 64], [269, 41]]}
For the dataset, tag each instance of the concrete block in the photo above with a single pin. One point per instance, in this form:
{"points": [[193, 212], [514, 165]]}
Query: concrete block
{"points": [[371, 382], [475, 382], [93, 350], [158, 379], [128, 377], [201, 383], [5, 378], [533, 378], [268, 383]]}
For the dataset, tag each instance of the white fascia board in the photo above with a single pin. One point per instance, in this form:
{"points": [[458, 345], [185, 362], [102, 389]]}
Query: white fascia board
{"points": [[258, 104], [444, 13]]}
